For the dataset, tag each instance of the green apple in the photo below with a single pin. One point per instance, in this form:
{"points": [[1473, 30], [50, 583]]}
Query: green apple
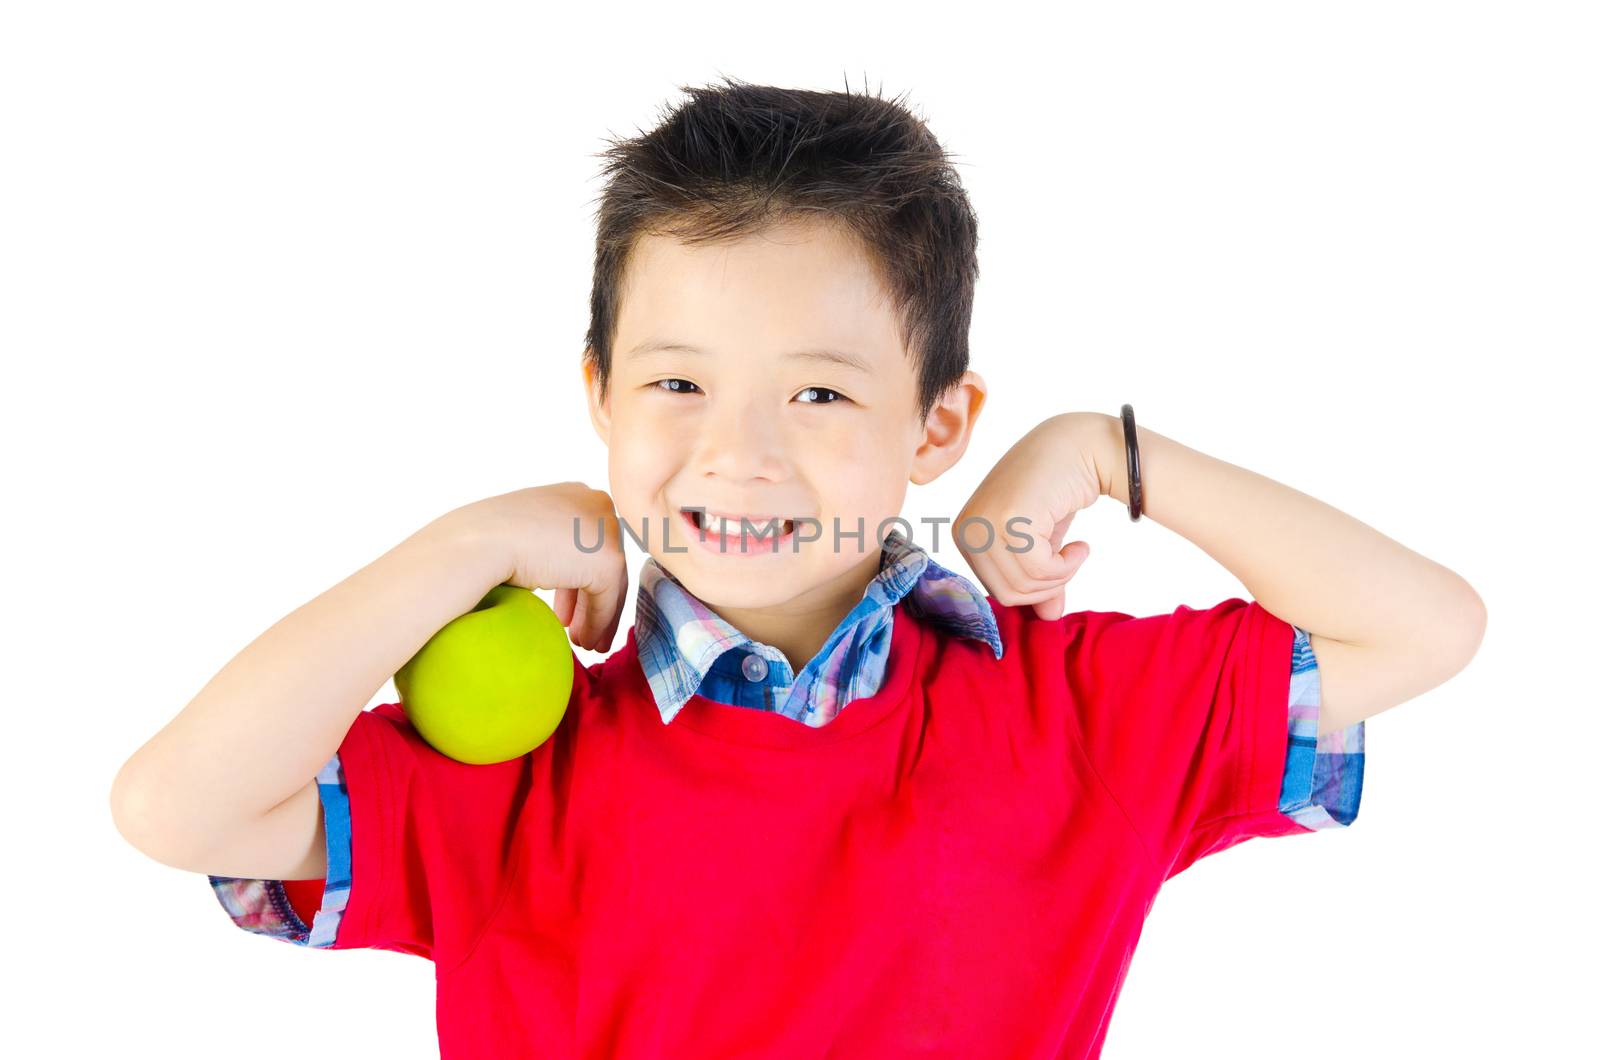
{"points": [[492, 684]]}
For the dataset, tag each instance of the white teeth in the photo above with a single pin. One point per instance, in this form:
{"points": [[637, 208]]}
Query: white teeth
{"points": [[716, 524]]}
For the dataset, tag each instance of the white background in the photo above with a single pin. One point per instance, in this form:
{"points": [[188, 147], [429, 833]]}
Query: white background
{"points": [[281, 283]]}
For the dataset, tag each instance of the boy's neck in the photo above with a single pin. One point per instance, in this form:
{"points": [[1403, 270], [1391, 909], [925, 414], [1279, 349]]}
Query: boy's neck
{"points": [[801, 626]]}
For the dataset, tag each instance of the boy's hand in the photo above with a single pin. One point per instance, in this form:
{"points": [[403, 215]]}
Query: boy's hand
{"points": [[1046, 478], [535, 529]]}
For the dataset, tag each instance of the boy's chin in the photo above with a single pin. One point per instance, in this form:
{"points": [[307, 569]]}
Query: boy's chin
{"points": [[772, 584], [734, 588]]}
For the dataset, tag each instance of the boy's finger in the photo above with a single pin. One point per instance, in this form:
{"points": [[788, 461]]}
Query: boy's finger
{"points": [[1033, 597], [565, 599], [1042, 561], [576, 629], [602, 601], [608, 610], [1052, 609]]}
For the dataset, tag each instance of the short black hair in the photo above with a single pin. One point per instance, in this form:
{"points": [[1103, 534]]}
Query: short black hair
{"points": [[737, 158]]}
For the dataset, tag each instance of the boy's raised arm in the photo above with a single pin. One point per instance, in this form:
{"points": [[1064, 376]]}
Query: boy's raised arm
{"points": [[236, 766]]}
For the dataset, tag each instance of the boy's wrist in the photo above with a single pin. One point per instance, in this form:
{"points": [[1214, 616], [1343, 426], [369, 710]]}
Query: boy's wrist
{"points": [[473, 544], [1099, 435]]}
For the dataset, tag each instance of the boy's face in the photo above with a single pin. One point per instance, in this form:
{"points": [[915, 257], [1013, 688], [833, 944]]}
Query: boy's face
{"points": [[754, 427]]}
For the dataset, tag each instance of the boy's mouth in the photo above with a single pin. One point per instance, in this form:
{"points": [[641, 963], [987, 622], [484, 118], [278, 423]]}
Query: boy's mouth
{"points": [[720, 524]]}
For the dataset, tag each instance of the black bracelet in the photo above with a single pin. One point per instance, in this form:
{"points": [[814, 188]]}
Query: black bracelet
{"points": [[1135, 490]]}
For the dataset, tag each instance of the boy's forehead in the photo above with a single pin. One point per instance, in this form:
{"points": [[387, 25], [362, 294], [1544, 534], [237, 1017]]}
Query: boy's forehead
{"points": [[806, 285]]}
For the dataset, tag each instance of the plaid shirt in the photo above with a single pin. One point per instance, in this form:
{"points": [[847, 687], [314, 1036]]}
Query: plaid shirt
{"points": [[686, 649]]}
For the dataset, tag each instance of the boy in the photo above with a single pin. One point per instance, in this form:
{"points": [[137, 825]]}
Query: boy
{"points": [[829, 798]]}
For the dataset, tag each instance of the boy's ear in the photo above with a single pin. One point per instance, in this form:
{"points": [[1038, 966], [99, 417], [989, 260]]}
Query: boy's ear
{"points": [[599, 412], [948, 428]]}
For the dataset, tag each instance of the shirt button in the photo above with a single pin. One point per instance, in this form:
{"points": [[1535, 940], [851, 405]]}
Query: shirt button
{"points": [[754, 667]]}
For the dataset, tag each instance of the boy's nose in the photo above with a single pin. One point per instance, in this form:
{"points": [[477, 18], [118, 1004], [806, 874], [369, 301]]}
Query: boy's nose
{"points": [[741, 443]]}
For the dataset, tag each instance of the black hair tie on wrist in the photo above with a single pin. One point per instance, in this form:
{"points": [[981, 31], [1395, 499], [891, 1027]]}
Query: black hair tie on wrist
{"points": [[1135, 490]]}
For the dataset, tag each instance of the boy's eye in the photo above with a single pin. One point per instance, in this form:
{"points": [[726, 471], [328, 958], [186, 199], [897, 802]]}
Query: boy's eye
{"points": [[837, 397], [681, 386]]}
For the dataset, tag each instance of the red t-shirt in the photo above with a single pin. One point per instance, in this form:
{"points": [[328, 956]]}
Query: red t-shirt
{"points": [[958, 865]]}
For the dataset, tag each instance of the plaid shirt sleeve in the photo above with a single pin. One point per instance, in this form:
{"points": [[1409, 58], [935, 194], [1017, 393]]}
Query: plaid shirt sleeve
{"points": [[1321, 774], [265, 907]]}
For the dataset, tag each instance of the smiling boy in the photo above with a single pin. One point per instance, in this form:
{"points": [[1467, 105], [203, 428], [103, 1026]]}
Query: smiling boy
{"points": [[830, 797], [759, 378]]}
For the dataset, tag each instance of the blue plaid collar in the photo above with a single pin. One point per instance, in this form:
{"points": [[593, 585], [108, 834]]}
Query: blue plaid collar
{"points": [[680, 640]]}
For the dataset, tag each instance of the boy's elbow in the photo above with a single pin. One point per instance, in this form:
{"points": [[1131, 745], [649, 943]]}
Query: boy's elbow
{"points": [[1473, 622], [130, 808], [139, 819]]}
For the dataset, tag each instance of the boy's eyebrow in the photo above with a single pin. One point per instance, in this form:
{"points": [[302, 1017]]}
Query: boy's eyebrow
{"points": [[841, 358]]}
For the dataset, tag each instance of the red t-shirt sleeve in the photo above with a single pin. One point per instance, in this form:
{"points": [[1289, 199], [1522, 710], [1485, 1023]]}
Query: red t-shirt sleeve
{"points": [[432, 839], [1183, 717]]}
